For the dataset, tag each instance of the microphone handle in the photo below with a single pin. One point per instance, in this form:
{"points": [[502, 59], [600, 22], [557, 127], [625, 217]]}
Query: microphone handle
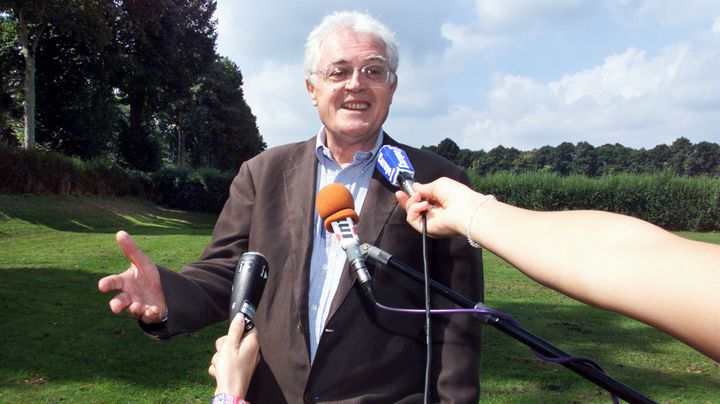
{"points": [[406, 182], [357, 264]]}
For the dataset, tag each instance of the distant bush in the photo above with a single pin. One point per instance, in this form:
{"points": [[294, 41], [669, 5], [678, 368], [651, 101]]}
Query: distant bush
{"points": [[671, 202], [37, 172], [204, 190]]}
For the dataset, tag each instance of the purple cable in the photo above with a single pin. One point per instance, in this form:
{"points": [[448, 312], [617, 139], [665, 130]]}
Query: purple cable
{"points": [[504, 316], [451, 311]]}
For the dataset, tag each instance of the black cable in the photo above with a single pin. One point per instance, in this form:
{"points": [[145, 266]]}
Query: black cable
{"points": [[428, 330]]}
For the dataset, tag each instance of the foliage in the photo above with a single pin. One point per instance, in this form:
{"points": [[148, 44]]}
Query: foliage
{"points": [[37, 171], [73, 68], [11, 64], [680, 158], [204, 190], [60, 342], [672, 202], [218, 129], [47, 172], [132, 81]]}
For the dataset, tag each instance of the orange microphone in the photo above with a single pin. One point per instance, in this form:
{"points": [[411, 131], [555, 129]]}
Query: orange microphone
{"points": [[335, 202], [336, 207]]}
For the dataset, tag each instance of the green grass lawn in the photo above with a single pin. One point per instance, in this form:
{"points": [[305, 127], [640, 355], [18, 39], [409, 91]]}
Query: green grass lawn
{"points": [[60, 342]]}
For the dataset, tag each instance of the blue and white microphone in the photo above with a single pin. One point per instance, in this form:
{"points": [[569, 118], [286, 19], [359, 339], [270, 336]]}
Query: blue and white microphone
{"points": [[395, 166]]}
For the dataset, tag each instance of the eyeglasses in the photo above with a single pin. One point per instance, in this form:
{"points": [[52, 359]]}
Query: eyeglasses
{"points": [[375, 74]]}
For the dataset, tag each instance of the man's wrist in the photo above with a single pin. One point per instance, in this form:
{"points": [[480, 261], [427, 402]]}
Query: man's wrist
{"points": [[223, 398]]}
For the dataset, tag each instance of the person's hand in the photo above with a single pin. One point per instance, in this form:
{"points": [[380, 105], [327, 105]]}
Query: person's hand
{"points": [[446, 202], [234, 362], [141, 294]]}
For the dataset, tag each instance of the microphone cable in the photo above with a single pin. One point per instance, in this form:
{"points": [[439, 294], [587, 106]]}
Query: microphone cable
{"points": [[428, 330], [504, 316]]}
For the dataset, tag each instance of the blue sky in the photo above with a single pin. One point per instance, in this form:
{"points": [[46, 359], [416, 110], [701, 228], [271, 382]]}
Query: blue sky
{"points": [[520, 73]]}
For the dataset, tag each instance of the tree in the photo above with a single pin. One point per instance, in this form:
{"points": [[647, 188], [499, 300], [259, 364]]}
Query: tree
{"points": [[448, 149], [467, 158], [77, 112], [611, 158], [498, 159], [562, 158], [161, 47], [703, 160], [11, 71], [658, 158], [584, 160], [680, 149], [219, 129], [32, 18]]}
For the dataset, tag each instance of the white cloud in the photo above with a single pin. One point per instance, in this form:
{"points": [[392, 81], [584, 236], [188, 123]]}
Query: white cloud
{"points": [[507, 16], [637, 95], [281, 104], [631, 98]]}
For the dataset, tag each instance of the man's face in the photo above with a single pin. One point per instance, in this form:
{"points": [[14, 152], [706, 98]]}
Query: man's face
{"points": [[352, 111]]}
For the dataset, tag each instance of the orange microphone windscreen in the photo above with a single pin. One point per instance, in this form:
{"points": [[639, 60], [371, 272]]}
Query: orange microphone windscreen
{"points": [[335, 202]]}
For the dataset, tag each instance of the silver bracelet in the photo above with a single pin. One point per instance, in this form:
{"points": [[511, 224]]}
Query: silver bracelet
{"points": [[484, 199]]}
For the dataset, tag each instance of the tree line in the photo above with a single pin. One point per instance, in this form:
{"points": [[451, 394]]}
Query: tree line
{"points": [[680, 158], [132, 82]]}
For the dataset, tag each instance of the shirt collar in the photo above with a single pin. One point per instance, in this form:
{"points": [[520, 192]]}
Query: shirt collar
{"points": [[322, 150]]}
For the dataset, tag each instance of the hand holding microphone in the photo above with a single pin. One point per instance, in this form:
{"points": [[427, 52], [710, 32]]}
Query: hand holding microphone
{"points": [[250, 276], [448, 205], [238, 352]]}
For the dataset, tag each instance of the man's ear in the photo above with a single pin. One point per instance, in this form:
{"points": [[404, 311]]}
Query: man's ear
{"points": [[393, 87], [311, 89]]}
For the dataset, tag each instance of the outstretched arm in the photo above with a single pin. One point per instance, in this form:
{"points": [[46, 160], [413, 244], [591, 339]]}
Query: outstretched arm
{"points": [[604, 259]]}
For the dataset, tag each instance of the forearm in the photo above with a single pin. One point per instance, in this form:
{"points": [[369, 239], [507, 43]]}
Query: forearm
{"points": [[615, 262]]}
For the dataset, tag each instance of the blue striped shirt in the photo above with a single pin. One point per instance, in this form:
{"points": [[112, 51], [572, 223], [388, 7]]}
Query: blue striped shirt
{"points": [[328, 258]]}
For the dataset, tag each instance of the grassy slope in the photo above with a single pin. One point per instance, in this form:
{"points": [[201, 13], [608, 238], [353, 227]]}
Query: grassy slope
{"points": [[59, 341]]}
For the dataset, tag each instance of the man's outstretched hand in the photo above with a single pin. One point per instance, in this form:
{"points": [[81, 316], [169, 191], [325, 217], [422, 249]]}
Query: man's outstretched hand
{"points": [[140, 292]]}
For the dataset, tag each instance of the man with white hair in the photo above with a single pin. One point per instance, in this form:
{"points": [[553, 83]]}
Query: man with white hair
{"points": [[321, 341]]}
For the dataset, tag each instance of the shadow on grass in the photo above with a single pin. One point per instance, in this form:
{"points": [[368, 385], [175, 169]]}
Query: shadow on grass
{"points": [[56, 327], [632, 353], [91, 214]]}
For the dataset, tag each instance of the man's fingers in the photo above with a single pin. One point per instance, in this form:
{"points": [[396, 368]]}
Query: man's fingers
{"points": [[112, 282], [119, 302], [131, 250], [136, 310]]}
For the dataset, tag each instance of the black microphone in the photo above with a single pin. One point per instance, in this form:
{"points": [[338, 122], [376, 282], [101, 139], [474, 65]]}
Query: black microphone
{"points": [[336, 207], [250, 276], [395, 166]]}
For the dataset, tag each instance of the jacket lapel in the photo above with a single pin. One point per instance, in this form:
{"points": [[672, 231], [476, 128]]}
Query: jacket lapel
{"points": [[299, 184]]}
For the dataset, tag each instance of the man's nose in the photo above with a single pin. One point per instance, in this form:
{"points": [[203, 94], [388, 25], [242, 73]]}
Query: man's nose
{"points": [[356, 82]]}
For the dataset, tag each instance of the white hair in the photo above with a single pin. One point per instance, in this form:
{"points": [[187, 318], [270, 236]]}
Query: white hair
{"points": [[356, 22]]}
